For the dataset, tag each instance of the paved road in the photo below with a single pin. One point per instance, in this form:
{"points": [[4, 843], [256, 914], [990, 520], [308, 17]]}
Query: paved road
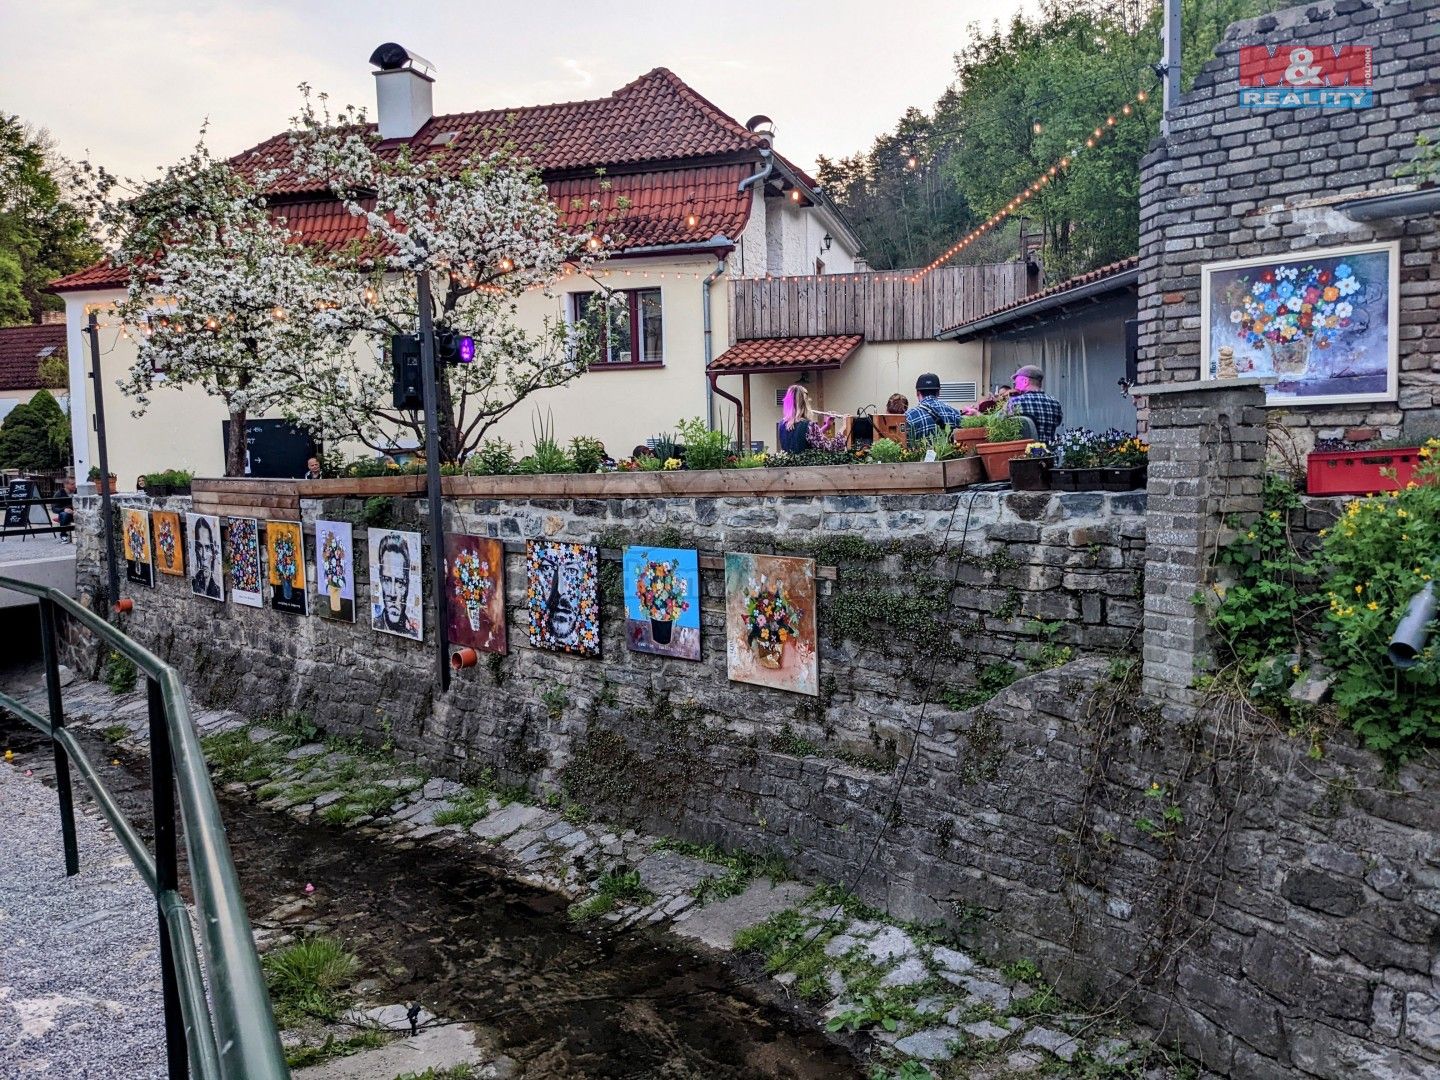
{"points": [[79, 962]]}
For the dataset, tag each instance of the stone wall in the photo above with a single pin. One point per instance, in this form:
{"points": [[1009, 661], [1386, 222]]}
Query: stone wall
{"points": [[1232, 183], [1271, 912]]}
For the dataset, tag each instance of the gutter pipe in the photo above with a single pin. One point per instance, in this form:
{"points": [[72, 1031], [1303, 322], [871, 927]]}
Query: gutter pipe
{"points": [[709, 341]]}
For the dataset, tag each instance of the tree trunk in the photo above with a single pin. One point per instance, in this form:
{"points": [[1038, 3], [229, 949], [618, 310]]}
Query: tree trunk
{"points": [[447, 434], [235, 448]]}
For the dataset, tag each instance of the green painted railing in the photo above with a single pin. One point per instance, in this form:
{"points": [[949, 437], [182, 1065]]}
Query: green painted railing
{"points": [[229, 1034]]}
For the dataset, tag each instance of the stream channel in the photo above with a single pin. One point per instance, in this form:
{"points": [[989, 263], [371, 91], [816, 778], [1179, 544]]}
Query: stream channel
{"points": [[450, 930]]}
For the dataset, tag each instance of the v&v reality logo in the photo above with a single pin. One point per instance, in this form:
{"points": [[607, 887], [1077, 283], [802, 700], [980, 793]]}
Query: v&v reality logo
{"points": [[1306, 77]]}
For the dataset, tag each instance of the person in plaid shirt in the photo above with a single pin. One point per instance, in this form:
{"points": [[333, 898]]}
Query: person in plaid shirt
{"points": [[929, 414], [1030, 400]]}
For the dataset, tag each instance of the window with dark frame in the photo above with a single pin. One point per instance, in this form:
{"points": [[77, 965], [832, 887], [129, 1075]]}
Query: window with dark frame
{"points": [[633, 335]]}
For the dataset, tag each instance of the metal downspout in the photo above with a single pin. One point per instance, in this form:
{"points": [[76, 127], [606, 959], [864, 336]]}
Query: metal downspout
{"points": [[709, 343]]}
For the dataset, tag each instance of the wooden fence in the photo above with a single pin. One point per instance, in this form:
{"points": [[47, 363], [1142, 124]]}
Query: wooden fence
{"points": [[882, 305]]}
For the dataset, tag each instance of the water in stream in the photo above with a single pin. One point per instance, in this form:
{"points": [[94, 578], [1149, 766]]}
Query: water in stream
{"points": [[451, 931]]}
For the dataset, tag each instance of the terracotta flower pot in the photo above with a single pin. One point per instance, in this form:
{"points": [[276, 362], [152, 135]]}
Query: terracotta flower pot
{"points": [[997, 457], [463, 658], [963, 435]]}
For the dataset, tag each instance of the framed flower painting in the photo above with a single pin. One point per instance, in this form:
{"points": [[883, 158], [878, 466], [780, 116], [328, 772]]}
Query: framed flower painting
{"points": [[285, 548], [1324, 323], [135, 543], [662, 601], [475, 592], [770, 622], [334, 571], [169, 544]]}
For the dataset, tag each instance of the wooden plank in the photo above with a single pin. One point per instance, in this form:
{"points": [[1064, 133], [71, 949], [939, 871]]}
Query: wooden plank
{"points": [[402, 484], [249, 485], [269, 502]]}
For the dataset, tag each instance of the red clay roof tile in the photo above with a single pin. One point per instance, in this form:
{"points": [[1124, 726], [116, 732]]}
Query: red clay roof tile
{"points": [[786, 354], [21, 350]]}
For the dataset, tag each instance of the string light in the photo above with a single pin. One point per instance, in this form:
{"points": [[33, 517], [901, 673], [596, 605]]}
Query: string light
{"points": [[369, 295], [1033, 188], [507, 264]]}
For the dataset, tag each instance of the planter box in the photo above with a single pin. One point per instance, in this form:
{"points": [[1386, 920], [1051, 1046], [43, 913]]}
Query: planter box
{"points": [[1030, 473], [968, 435], [997, 456], [1359, 472], [1124, 477]]}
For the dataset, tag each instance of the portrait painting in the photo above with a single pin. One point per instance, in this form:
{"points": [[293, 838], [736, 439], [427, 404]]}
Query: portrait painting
{"points": [[395, 597], [475, 592], [169, 545], [770, 635], [662, 601], [1324, 323], [135, 543], [334, 571], [285, 548], [202, 532], [562, 596], [244, 560]]}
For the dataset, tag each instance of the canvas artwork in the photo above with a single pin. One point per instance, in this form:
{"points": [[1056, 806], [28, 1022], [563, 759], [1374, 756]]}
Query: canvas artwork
{"points": [[244, 560], [1324, 323], [285, 547], [334, 571], [202, 535], [562, 595], [169, 548], [395, 597], [770, 622], [135, 542], [662, 601], [475, 592]]}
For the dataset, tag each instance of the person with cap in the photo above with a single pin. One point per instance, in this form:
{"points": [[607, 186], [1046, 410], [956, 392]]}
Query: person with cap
{"points": [[929, 414], [1030, 400]]}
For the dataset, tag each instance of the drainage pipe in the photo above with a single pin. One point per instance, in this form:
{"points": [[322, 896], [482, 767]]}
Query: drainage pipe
{"points": [[709, 338]]}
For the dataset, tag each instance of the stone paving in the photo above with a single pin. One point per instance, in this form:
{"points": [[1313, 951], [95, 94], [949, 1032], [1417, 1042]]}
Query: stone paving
{"points": [[951, 1011]]}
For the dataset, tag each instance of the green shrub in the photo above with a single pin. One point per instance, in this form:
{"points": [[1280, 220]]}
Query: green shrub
{"points": [[120, 673], [978, 420], [704, 448], [1002, 427], [886, 451], [587, 453], [942, 442], [612, 888], [35, 435], [307, 979], [496, 457], [547, 456]]}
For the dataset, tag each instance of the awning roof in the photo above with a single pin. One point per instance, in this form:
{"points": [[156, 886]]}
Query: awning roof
{"points": [[1092, 285], [761, 355]]}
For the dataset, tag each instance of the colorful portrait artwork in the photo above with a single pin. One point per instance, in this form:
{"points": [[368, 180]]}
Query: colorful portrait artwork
{"points": [[662, 601], [202, 536], [135, 543], [244, 560], [395, 597], [169, 542], [1324, 323], [334, 571], [285, 548], [770, 622], [562, 596], [475, 592]]}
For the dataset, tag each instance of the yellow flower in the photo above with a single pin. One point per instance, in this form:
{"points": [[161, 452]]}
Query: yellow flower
{"points": [[1359, 589], [1373, 606], [1274, 515], [1400, 513], [1250, 536], [1324, 531]]}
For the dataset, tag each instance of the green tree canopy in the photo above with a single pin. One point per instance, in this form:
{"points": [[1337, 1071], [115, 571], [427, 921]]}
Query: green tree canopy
{"points": [[1026, 95], [43, 235], [35, 435]]}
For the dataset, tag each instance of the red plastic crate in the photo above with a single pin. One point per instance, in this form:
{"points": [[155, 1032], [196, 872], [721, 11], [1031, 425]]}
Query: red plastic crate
{"points": [[1359, 472]]}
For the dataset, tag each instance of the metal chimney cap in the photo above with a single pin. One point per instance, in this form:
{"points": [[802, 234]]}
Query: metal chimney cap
{"points": [[392, 56]]}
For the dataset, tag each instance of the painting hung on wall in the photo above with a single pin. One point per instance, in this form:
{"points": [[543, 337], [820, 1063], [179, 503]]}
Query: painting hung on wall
{"points": [[475, 592], [662, 601], [244, 560], [395, 583], [135, 542], [285, 548], [334, 571], [1324, 323], [169, 548], [770, 622], [562, 595], [202, 534]]}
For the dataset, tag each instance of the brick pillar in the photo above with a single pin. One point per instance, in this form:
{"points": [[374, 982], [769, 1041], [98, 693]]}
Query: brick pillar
{"points": [[1207, 461]]}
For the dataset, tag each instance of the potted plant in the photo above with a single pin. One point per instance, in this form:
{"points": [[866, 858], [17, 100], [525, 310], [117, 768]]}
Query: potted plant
{"points": [[157, 484], [771, 618], [1125, 463], [1030, 471], [179, 480], [1002, 442], [102, 484], [661, 592], [972, 430]]}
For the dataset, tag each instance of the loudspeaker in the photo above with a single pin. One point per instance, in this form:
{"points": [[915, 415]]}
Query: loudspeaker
{"points": [[405, 356]]}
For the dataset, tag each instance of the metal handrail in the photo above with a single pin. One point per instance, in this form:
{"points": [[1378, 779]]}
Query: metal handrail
{"points": [[227, 1033]]}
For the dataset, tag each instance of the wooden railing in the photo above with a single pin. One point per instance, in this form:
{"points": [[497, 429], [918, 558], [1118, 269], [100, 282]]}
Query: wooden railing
{"points": [[882, 305]]}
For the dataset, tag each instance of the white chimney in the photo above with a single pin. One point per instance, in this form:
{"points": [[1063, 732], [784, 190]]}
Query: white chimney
{"points": [[403, 90]]}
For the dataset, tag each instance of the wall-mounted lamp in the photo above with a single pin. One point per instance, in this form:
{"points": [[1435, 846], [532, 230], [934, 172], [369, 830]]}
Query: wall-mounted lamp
{"points": [[827, 240]]}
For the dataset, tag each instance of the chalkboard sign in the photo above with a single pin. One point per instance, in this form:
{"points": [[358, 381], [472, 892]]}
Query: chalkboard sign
{"points": [[19, 513]]}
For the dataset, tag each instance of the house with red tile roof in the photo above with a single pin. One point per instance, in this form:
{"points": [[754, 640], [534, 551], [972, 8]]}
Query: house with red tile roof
{"points": [[23, 349], [697, 198]]}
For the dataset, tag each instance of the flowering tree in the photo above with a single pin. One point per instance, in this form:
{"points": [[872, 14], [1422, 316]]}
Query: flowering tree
{"points": [[219, 293], [485, 231]]}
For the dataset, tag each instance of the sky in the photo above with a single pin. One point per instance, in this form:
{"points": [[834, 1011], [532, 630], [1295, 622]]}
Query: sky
{"points": [[128, 84]]}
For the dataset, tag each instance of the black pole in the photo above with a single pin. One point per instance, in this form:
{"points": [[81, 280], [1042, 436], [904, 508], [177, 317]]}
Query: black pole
{"points": [[428, 378], [167, 876], [57, 721], [93, 329]]}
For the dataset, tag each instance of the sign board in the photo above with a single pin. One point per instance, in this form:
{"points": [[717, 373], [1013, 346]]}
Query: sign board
{"points": [[19, 513]]}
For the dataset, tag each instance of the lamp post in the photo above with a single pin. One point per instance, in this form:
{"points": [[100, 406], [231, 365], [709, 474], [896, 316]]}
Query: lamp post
{"points": [[92, 327], [431, 395]]}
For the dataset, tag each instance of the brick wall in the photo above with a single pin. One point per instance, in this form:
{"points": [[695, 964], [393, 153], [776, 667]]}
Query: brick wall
{"points": [[1232, 183]]}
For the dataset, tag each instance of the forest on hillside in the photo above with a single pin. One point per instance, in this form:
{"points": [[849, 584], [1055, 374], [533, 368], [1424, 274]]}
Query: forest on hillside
{"points": [[1025, 95]]}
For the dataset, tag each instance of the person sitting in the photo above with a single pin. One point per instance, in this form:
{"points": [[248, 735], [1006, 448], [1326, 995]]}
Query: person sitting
{"points": [[312, 469], [929, 414], [63, 507], [898, 403], [792, 434], [1030, 400]]}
